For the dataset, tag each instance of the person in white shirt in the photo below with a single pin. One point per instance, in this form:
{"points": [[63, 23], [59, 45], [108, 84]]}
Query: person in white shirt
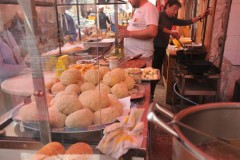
{"points": [[141, 30]]}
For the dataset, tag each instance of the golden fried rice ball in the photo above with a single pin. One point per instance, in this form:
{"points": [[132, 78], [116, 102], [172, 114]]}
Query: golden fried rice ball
{"points": [[102, 71], [48, 85], [129, 81], [67, 104], [54, 80], [56, 118], [79, 148], [103, 87], [73, 88], [105, 115], [91, 76], [94, 100], [114, 102], [87, 86], [57, 87], [119, 72], [80, 118], [111, 79], [120, 90], [28, 112], [70, 76]]}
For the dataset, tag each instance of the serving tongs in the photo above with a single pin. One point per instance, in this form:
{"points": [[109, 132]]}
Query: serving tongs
{"points": [[128, 58], [152, 117]]}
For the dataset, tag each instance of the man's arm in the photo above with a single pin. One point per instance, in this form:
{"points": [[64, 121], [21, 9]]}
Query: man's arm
{"points": [[149, 32]]}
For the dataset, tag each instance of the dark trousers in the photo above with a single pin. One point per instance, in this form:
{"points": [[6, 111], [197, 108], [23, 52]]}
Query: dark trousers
{"points": [[157, 62]]}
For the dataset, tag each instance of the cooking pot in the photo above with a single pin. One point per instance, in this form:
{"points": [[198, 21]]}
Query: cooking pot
{"points": [[187, 55], [219, 120], [199, 66]]}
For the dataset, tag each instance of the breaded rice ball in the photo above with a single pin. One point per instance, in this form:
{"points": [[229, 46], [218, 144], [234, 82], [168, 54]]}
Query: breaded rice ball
{"points": [[94, 100], [102, 71], [129, 82], [57, 87], [114, 102], [111, 79], [79, 118], [48, 86], [87, 86], [54, 80], [56, 118], [91, 76], [120, 90], [119, 72], [28, 112], [79, 148], [70, 76], [105, 115], [73, 88], [103, 87], [67, 104]]}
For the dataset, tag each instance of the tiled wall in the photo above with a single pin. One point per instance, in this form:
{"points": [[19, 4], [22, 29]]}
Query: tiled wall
{"points": [[231, 58], [232, 46]]}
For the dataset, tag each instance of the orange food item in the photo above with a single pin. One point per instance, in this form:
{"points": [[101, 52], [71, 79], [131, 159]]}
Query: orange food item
{"points": [[50, 149], [79, 148]]}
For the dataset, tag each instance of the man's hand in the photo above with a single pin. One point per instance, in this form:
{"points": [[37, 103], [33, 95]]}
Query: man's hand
{"points": [[175, 34], [123, 32], [205, 13]]}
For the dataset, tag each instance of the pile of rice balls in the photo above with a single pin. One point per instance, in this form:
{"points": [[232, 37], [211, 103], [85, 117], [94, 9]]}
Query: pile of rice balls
{"points": [[80, 100]]}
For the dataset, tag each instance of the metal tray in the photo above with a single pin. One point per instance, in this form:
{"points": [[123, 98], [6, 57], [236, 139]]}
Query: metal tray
{"points": [[137, 92], [158, 76], [35, 125]]}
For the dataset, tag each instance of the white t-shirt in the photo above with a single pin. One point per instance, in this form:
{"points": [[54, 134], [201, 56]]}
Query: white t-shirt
{"points": [[143, 16]]}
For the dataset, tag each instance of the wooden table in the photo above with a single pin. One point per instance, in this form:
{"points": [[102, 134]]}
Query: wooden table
{"points": [[168, 65]]}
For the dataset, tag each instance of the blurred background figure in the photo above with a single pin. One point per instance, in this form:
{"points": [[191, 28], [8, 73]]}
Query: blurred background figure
{"points": [[11, 62], [66, 23], [103, 20]]}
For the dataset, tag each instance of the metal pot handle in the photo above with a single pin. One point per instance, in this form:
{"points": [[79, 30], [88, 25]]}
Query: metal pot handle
{"points": [[151, 116]]}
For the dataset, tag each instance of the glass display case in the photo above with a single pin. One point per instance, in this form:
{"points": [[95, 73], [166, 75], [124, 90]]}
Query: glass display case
{"points": [[48, 71]]}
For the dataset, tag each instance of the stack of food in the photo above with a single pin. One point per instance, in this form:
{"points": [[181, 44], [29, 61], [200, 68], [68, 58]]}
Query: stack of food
{"points": [[81, 101], [56, 151], [148, 73]]}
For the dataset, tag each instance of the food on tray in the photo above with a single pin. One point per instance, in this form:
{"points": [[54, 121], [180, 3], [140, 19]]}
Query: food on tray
{"points": [[86, 61], [103, 87], [57, 87], [79, 148], [50, 149], [56, 118], [106, 115], [28, 112], [91, 76], [120, 90], [150, 73], [80, 118], [102, 71], [73, 88], [70, 76], [129, 82], [135, 63], [87, 86], [94, 100], [114, 76], [67, 48], [82, 68], [67, 104]]}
